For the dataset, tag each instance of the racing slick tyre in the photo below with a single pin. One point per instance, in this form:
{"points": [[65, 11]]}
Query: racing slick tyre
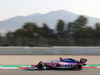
{"points": [[79, 67], [40, 66]]}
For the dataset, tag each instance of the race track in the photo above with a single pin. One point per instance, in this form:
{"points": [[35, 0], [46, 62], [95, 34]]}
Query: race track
{"points": [[7, 61], [86, 71]]}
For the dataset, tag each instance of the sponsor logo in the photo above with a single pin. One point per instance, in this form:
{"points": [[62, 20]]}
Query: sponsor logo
{"points": [[65, 65]]}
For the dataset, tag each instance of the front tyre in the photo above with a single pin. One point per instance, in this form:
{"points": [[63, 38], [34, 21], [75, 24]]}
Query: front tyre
{"points": [[79, 67], [40, 66]]}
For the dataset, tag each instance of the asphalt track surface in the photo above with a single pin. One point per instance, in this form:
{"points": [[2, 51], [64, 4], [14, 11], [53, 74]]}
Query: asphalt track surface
{"points": [[86, 71], [34, 59]]}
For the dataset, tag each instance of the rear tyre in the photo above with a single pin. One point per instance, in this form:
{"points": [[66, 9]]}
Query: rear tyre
{"points": [[79, 67]]}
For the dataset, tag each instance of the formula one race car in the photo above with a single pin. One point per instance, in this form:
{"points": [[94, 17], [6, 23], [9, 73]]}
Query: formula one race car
{"points": [[66, 63]]}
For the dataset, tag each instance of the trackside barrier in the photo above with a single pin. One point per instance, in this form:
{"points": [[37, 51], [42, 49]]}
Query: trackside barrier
{"points": [[63, 50]]}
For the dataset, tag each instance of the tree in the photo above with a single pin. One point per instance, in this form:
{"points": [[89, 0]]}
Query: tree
{"points": [[70, 29], [88, 32], [9, 34], [60, 26], [45, 30], [80, 22], [32, 27], [79, 26], [97, 26], [97, 30], [79, 33], [22, 33]]}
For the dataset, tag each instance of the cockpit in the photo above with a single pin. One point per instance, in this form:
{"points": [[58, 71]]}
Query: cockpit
{"points": [[68, 60]]}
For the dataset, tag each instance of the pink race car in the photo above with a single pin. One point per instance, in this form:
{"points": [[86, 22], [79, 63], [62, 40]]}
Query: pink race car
{"points": [[60, 64]]}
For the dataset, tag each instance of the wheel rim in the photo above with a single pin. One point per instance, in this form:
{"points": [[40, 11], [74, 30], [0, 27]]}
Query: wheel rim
{"points": [[79, 67]]}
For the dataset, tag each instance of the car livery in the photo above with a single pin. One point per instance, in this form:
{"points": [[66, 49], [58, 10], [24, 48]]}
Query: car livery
{"points": [[62, 63]]}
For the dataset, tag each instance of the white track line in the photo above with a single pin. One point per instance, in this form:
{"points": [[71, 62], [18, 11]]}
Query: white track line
{"points": [[9, 68]]}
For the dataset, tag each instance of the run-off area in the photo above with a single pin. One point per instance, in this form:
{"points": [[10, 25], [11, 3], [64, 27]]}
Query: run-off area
{"points": [[86, 71]]}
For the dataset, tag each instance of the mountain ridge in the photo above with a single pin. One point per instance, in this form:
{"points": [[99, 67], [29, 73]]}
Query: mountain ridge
{"points": [[50, 18]]}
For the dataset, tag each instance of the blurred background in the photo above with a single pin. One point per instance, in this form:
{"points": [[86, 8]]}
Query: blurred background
{"points": [[49, 23], [75, 33]]}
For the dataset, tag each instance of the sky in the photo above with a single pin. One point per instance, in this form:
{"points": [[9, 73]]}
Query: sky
{"points": [[12, 8]]}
